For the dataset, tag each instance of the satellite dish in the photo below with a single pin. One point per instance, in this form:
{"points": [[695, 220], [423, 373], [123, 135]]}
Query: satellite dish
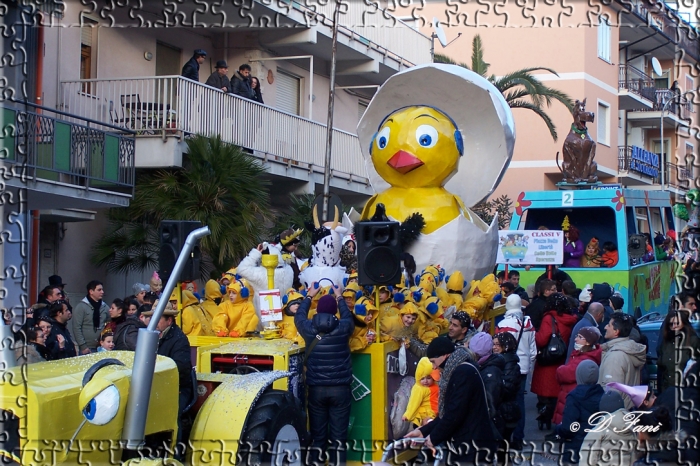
{"points": [[636, 248], [439, 32], [656, 66]]}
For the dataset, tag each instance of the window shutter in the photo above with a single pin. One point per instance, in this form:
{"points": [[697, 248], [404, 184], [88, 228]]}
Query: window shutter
{"points": [[361, 108], [288, 87]]}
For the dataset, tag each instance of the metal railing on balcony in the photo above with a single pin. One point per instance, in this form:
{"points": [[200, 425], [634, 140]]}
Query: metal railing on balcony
{"points": [[680, 106], [637, 160], [173, 104], [66, 149], [636, 81], [668, 21], [679, 176]]}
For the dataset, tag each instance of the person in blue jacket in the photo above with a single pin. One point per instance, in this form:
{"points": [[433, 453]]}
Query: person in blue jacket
{"points": [[328, 373]]}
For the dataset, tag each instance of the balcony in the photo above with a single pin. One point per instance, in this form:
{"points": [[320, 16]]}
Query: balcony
{"points": [[164, 109], [635, 89], [678, 113], [679, 177], [64, 161], [662, 19], [637, 165]]}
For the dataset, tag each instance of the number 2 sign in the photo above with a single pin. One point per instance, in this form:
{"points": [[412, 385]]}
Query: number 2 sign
{"points": [[567, 198]]}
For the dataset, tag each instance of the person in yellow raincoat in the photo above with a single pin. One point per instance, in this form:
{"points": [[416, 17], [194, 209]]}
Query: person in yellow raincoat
{"points": [[419, 410], [196, 321], [212, 298], [386, 303], [400, 327], [291, 301], [351, 294], [236, 315], [430, 320], [455, 290], [365, 314]]}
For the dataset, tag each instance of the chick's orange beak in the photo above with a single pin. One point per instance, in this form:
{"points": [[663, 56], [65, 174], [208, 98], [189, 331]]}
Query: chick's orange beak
{"points": [[404, 162]]}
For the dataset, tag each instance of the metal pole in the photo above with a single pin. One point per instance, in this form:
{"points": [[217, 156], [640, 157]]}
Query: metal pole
{"points": [[329, 128], [661, 157], [432, 48], [145, 355]]}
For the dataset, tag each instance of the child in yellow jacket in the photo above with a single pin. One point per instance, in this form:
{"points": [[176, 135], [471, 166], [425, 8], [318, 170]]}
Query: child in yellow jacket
{"points": [[365, 314], [400, 327], [291, 301], [195, 320], [455, 290], [236, 315], [419, 410]]}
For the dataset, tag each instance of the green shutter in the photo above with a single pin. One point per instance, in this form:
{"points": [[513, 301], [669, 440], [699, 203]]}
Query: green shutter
{"points": [[62, 146]]}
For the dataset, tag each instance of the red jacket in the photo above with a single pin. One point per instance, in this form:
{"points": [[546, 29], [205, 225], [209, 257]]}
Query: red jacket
{"points": [[544, 379], [566, 376]]}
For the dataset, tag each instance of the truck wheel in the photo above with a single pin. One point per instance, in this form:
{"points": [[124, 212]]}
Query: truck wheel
{"points": [[274, 431]]}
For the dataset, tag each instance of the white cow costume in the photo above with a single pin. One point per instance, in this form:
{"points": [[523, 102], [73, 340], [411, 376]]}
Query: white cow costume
{"points": [[327, 241]]}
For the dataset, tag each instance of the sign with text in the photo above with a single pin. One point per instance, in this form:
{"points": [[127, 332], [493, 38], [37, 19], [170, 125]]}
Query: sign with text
{"points": [[270, 306], [530, 247]]}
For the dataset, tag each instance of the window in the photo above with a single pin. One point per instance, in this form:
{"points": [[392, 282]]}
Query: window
{"points": [[604, 39], [88, 48], [670, 223], [656, 223], [603, 118], [288, 87], [689, 84], [657, 147], [361, 107], [642, 220]]}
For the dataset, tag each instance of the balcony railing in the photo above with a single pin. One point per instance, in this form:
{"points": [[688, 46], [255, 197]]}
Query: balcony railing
{"points": [[67, 149], [668, 21], [678, 176], [636, 81], [637, 160], [681, 107], [173, 104]]}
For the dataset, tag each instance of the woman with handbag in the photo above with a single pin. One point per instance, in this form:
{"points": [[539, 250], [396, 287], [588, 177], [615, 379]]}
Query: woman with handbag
{"points": [[552, 339], [507, 412]]}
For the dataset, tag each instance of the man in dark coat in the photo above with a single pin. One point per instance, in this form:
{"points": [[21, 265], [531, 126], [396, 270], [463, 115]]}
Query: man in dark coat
{"points": [[218, 78], [60, 344], [191, 68], [535, 311], [601, 293], [126, 334], [328, 373], [241, 82], [463, 414]]}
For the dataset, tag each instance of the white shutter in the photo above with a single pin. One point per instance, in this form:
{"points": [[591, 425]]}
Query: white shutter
{"points": [[86, 31], [361, 107], [603, 117], [604, 34], [287, 92]]}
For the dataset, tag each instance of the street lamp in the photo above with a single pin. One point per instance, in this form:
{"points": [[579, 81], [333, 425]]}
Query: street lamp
{"points": [[676, 97]]}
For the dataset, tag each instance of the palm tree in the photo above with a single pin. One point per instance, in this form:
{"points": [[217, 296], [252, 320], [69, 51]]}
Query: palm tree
{"points": [[521, 88], [218, 185]]}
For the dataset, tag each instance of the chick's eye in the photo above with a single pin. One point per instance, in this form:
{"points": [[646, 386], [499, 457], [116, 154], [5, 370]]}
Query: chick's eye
{"points": [[426, 136], [383, 137], [103, 407]]}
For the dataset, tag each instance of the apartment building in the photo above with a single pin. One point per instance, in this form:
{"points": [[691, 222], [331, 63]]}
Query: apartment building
{"points": [[116, 66], [605, 52]]}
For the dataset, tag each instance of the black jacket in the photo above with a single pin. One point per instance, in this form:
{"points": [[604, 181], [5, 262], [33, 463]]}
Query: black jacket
{"points": [[466, 418], [218, 81], [191, 70], [536, 310], [127, 333], [54, 351], [258, 95], [511, 377], [175, 345], [241, 86], [329, 362], [581, 403], [520, 291], [492, 373]]}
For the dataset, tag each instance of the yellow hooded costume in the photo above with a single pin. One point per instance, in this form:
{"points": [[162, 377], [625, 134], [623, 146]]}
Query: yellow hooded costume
{"points": [[196, 321], [481, 296], [455, 289], [393, 327], [212, 291], [419, 408], [363, 309], [237, 317], [288, 329], [432, 321]]}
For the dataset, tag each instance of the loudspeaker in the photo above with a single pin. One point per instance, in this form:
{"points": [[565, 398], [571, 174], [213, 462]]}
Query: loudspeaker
{"points": [[378, 253], [172, 234], [637, 246]]}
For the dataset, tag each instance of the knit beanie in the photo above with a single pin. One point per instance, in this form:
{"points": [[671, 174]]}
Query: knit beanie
{"points": [[138, 288], [590, 334], [611, 401], [440, 347], [587, 373], [482, 345], [327, 305]]}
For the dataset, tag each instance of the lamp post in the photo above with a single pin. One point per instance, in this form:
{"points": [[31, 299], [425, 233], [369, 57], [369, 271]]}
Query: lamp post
{"points": [[331, 104], [675, 97]]}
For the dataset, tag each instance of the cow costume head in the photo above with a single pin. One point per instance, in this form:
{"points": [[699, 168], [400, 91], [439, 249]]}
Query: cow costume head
{"points": [[326, 240]]}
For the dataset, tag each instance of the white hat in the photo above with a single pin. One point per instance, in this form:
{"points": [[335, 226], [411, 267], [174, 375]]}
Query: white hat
{"points": [[477, 108], [514, 303], [585, 296]]}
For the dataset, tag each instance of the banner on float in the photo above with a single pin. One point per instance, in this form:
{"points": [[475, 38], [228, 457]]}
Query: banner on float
{"points": [[530, 247], [270, 306]]}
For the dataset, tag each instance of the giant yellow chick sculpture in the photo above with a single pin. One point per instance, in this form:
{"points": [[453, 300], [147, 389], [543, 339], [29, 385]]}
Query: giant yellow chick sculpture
{"points": [[421, 127]]}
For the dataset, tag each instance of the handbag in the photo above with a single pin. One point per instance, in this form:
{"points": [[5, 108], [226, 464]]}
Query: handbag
{"points": [[554, 352]]}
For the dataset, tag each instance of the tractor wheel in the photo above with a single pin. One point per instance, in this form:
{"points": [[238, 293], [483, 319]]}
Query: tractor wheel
{"points": [[274, 432]]}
